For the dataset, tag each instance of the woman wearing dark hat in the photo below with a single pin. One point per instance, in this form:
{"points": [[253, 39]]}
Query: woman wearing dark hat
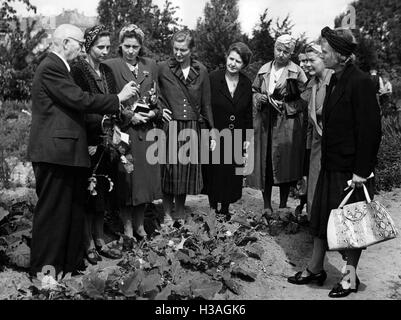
{"points": [[137, 189], [350, 142], [86, 73], [232, 110]]}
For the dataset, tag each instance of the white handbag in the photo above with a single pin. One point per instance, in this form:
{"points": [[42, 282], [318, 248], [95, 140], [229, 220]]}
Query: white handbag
{"points": [[359, 225]]}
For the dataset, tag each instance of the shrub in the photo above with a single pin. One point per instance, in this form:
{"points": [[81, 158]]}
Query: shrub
{"points": [[14, 133], [388, 173]]}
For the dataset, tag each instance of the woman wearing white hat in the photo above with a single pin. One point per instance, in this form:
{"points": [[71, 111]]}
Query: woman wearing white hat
{"points": [[279, 132]]}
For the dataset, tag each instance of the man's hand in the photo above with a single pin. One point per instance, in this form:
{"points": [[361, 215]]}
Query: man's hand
{"points": [[357, 181], [213, 144], [92, 150], [167, 115], [129, 90]]}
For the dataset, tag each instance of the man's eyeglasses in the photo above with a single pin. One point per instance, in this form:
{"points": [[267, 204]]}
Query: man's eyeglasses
{"points": [[81, 43]]}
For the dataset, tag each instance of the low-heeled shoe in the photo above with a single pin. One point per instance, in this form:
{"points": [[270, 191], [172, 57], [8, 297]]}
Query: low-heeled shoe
{"points": [[298, 279]]}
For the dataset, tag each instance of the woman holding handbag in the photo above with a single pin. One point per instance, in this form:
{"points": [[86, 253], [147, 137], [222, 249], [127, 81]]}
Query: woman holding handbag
{"points": [[350, 141]]}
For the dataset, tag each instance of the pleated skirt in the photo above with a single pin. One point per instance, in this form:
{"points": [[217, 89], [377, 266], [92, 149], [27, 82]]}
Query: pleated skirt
{"points": [[180, 178]]}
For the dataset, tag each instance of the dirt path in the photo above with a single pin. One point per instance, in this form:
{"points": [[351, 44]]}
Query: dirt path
{"points": [[379, 271], [285, 254]]}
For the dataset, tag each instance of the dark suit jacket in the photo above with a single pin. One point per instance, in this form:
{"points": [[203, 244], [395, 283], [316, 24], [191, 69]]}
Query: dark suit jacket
{"points": [[229, 112], [351, 125], [58, 134], [172, 96]]}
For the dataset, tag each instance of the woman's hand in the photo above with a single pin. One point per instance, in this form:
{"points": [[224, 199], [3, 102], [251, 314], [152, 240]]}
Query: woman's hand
{"points": [[264, 98], [92, 150], [151, 114], [139, 118], [167, 115], [357, 181]]}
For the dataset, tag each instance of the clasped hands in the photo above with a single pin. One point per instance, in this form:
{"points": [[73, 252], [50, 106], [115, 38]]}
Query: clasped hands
{"points": [[264, 98]]}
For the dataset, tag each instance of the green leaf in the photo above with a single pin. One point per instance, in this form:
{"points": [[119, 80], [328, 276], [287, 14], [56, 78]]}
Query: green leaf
{"points": [[20, 255], [165, 294], [3, 213], [94, 285], [129, 286], [149, 285], [205, 289]]}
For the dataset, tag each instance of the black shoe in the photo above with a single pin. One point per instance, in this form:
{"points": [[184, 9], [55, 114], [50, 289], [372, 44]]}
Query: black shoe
{"points": [[92, 256], [319, 278], [339, 292]]}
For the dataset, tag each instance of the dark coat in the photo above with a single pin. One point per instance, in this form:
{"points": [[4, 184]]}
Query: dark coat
{"points": [[351, 125], [222, 183], [173, 98], [84, 76], [58, 134], [87, 78], [143, 184]]}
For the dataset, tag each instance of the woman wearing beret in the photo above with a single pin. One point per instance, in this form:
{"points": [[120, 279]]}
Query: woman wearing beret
{"points": [[278, 123], [232, 110], [87, 74], [142, 186], [350, 141]]}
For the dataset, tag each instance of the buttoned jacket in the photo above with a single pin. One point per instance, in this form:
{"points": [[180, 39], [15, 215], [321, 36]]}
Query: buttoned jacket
{"points": [[174, 98]]}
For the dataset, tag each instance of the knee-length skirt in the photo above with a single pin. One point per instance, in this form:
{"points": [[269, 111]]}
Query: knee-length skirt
{"points": [[180, 178]]}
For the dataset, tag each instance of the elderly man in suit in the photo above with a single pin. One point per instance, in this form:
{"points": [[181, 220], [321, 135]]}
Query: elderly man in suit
{"points": [[58, 150]]}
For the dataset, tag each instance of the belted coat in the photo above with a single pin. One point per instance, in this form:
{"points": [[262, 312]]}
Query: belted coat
{"points": [[279, 133]]}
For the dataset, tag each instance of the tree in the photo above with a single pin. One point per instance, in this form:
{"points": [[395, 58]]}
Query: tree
{"points": [[158, 25], [284, 27], [378, 24], [18, 57], [218, 29], [262, 42]]}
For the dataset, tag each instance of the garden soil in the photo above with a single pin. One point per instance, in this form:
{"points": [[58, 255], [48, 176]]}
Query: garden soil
{"points": [[285, 254]]}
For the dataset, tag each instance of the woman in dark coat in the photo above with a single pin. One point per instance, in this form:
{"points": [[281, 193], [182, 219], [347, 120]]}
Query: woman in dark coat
{"points": [[142, 186], [280, 139], [87, 74], [350, 142], [185, 91], [232, 110]]}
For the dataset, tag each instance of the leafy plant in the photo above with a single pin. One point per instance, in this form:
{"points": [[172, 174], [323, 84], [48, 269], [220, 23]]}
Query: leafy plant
{"points": [[389, 158]]}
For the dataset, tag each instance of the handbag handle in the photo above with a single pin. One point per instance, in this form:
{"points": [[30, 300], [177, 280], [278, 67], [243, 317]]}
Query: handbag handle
{"points": [[348, 196]]}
